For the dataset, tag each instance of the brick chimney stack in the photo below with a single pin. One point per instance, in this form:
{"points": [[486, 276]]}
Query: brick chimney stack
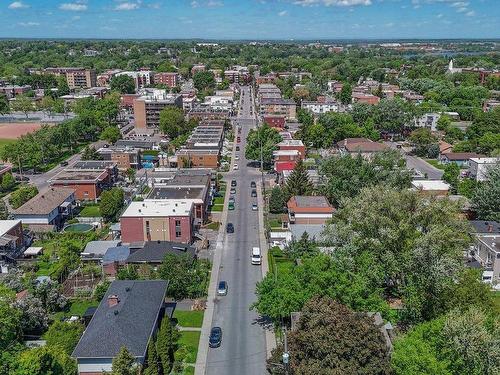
{"points": [[113, 300]]}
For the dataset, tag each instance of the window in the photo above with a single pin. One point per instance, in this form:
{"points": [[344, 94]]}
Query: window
{"points": [[178, 231]]}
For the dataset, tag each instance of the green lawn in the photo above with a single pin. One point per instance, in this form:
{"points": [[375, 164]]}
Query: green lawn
{"points": [[274, 223], [79, 306], [189, 318], [219, 200], [435, 163], [217, 208], [5, 142], [278, 262], [188, 346], [188, 370], [496, 302], [213, 225], [90, 211]]}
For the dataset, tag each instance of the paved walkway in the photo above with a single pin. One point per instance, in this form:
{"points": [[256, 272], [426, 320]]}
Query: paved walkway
{"points": [[201, 358], [181, 328]]}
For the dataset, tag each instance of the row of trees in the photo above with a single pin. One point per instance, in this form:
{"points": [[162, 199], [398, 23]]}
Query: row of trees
{"points": [[42, 148]]}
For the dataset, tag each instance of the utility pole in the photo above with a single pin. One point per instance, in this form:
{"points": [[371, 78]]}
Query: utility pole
{"points": [[286, 355]]}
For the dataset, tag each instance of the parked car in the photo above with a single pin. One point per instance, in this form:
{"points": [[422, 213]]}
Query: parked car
{"points": [[232, 191], [230, 228], [235, 167], [253, 185], [237, 148], [231, 206], [255, 207], [215, 337], [238, 139], [64, 163], [222, 288], [233, 183], [236, 157], [254, 193]]}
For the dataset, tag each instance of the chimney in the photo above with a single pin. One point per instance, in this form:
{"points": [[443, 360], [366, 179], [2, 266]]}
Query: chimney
{"points": [[113, 300]]}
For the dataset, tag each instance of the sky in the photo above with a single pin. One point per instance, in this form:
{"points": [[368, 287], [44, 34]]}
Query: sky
{"points": [[250, 19]]}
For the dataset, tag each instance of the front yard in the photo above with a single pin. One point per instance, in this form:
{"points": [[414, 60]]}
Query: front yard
{"points": [[190, 323], [189, 318]]}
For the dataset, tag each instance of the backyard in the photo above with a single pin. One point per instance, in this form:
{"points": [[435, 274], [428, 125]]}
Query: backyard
{"points": [[90, 211]]}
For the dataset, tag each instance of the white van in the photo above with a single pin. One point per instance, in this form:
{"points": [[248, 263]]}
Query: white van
{"points": [[256, 257]]}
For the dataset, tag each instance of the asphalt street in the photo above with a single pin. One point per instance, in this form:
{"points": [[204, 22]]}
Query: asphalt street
{"points": [[243, 348]]}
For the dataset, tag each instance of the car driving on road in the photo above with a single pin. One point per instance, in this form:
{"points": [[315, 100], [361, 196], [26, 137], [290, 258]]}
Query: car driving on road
{"points": [[222, 288]]}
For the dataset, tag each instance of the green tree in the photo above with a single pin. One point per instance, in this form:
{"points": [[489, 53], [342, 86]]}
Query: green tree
{"points": [[123, 84], [204, 80], [304, 247], [393, 115], [264, 139], [331, 338], [4, 212], [22, 103], [124, 363], [64, 335], [451, 175], [423, 140], [100, 290], [486, 198], [111, 203], [111, 134], [167, 344], [172, 122], [345, 94], [22, 195], [8, 182], [10, 327], [90, 153], [153, 361], [46, 360], [4, 105], [277, 201], [298, 183], [131, 172]]}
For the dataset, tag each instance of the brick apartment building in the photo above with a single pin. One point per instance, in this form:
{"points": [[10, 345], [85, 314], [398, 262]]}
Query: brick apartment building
{"points": [[168, 79], [87, 184], [75, 77], [275, 121], [158, 220], [198, 158], [147, 108], [278, 106]]}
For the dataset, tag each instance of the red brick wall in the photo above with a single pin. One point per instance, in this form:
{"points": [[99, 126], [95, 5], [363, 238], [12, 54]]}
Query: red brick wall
{"points": [[17, 231], [132, 229], [185, 229], [300, 149], [274, 121], [82, 191]]}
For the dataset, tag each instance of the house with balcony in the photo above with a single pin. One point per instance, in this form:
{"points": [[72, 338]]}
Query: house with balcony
{"points": [[309, 210], [48, 210]]}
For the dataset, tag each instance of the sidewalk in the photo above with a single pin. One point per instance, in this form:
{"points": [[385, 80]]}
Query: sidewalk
{"points": [[270, 336], [201, 358]]}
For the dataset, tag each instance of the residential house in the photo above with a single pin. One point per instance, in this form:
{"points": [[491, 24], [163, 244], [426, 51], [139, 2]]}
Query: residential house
{"points": [[278, 106], [94, 250], [320, 107], [479, 167], [47, 210], [293, 144], [359, 97], [197, 158], [13, 241], [123, 157], [153, 220], [486, 251], [363, 146], [459, 158], [285, 159], [431, 187], [309, 210], [129, 315], [88, 184], [154, 252]]}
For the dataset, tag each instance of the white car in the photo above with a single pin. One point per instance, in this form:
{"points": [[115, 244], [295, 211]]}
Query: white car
{"points": [[236, 157], [255, 207], [235, 167]]}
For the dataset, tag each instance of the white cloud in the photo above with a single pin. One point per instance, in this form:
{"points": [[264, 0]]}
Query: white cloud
{"points": [[214, 3], [74, 7], [470, 13], [282, 13], [328, 3], [127, 6], [18, 5], [440, 15], [461, 10], [195, 4], [459, 4], [28, 24]]}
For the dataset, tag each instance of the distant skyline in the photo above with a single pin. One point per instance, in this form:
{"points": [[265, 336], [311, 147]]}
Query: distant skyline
{"points": [[250, 19]]}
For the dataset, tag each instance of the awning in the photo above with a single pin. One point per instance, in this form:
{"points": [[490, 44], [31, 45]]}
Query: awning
{"points": [[32, 251]]}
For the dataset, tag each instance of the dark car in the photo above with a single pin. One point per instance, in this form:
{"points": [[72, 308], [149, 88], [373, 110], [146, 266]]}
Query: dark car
{"points": [[254, 193], [237, 148], [230, 228], [233, 183], [215, 337], [64, 163], [238, 139], [253, 185]]}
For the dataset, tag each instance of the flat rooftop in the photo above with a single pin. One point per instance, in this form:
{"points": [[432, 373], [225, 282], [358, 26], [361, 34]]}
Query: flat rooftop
{"points": [[430, 185], [75, 175], [179, 193], [158, 208], [92, 164]]}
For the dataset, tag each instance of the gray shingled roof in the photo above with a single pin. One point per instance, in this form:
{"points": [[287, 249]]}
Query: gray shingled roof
{"points": [[130, 323], [155, 251]]}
